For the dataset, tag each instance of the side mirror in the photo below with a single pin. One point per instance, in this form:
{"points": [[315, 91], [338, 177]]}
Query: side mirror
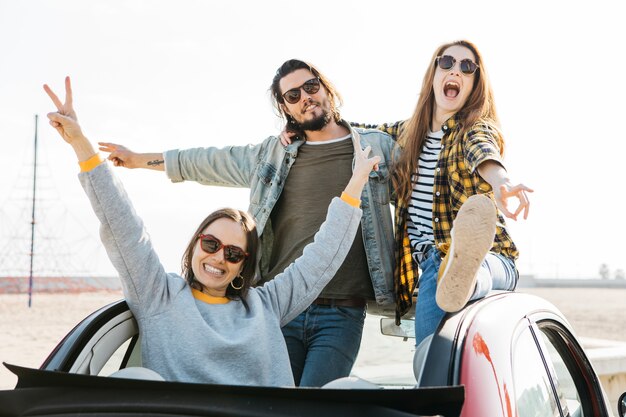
{"points": [[621, 405], [406, 329]]}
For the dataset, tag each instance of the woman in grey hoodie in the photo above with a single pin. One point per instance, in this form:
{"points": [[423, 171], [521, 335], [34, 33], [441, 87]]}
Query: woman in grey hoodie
{"points": [[211, 326]]}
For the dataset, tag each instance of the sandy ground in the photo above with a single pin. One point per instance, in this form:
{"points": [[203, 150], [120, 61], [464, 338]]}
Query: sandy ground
{"points": [[28, 335], [593, 312]]}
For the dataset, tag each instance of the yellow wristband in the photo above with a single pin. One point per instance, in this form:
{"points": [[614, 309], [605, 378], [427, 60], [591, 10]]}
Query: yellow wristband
{"points": [[354, 202], [91, 163]]}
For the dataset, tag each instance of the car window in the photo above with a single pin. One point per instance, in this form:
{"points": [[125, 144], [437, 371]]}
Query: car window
{"points": [[115, 361], [565, 386], [126, 355], [533, 391]]}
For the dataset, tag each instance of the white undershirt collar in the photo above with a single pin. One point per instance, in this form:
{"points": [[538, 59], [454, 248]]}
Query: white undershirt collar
{"points": [[326, 142]]}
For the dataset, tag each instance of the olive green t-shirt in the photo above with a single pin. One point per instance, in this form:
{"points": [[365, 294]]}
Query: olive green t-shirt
{"points": [[320, 172]]}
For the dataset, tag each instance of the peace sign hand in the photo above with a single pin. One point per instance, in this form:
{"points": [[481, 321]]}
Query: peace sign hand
{"points": [[64, 120]]}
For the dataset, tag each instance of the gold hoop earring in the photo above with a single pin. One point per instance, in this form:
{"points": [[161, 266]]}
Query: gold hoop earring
{"points": [[243, 281]]}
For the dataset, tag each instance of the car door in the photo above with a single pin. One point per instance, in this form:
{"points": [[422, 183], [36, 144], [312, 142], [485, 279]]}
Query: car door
{"points": [[516, 356], [104, 342]]}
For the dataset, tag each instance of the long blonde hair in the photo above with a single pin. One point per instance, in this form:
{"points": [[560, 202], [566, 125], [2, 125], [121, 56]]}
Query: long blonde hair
{"points": [[479, 107]]}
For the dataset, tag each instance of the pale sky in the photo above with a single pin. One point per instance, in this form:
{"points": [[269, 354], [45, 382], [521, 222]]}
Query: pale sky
{"points": [[157, 75]]}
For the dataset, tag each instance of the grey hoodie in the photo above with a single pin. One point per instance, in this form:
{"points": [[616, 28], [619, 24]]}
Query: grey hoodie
{"points": [[185, 339]]}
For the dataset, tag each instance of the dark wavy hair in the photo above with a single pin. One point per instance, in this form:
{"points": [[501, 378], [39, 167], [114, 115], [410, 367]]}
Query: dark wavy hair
{"points": [[252, 242], [277, 95]]}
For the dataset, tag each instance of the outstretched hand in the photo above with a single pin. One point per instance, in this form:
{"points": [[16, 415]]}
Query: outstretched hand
{"points": [[64, 120], [120, 155], [519, 191], [494, 173]]}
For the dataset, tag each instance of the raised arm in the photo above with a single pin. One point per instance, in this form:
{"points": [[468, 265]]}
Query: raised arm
{"points": [[122, 232], [232, 166], [295, 289]]}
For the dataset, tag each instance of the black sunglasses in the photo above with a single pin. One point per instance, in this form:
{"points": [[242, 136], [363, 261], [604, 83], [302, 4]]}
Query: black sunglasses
{"points": [[211, 244], [311, 86], [446, 62]]}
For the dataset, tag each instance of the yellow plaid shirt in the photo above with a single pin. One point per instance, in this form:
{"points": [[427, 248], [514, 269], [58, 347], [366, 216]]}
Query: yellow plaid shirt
{"points": [[456, 179]]}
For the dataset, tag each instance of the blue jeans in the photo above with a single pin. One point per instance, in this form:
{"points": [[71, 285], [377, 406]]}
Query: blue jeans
{"points": [[323, 343], [497, 273]]}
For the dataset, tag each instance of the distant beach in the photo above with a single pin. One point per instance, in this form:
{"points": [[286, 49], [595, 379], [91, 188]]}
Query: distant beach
{"points": [[30, 334], [593, 312]]}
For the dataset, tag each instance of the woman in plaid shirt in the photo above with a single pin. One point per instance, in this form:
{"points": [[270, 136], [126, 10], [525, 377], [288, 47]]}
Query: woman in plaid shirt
{"points": [[452, 192]]}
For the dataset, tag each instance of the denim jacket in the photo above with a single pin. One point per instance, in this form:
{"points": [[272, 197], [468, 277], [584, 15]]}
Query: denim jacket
{"points": [[264, 168]]}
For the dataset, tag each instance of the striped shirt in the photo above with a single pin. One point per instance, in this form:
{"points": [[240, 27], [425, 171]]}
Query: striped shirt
{"points": [[420, 209]]}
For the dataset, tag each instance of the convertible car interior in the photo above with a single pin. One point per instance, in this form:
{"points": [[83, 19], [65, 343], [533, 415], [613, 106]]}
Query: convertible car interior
{"points": [[96, 370]]}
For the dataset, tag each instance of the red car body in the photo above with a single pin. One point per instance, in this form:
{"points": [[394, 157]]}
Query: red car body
{"points": [[516, 355]]}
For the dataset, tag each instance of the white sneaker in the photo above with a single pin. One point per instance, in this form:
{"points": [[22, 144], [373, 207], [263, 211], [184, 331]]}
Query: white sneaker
{"points": [[472, 234]]}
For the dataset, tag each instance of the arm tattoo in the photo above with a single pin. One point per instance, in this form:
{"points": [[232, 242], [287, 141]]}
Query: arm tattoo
{"points": [[156, 162]]}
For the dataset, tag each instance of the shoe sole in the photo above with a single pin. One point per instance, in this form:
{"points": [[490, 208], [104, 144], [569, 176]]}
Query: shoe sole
{"points": [[473, 234]]}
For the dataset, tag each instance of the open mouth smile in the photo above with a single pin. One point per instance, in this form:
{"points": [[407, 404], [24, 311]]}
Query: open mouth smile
{"points": [[451, 89]]}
